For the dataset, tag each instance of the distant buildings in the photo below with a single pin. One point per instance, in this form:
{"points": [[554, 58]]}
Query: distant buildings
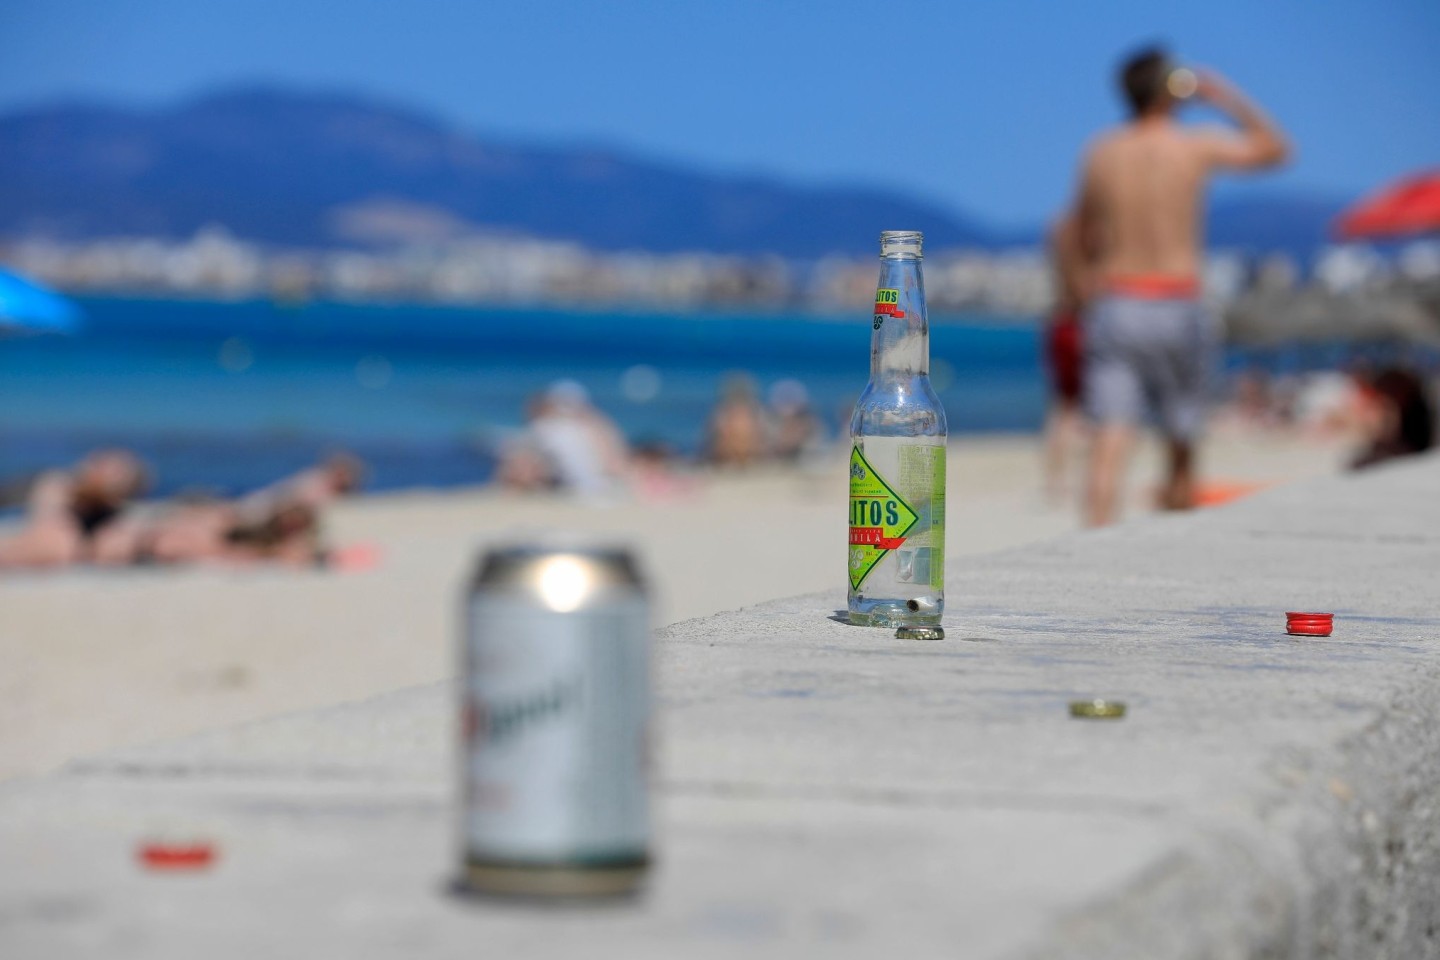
{"points": [[472, 271], [503, 269]]}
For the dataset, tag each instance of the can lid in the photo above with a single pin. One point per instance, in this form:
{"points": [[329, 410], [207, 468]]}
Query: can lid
{"points": [[920, 633], [1097, 709]]}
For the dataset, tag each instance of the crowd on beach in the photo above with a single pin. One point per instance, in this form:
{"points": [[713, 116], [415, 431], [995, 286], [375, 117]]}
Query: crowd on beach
{"points": [[89, 514], [569, 444], [1379, 410], [1386, 409]]}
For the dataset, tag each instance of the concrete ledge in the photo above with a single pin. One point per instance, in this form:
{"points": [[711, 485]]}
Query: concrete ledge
{"points": [[830, 788]]}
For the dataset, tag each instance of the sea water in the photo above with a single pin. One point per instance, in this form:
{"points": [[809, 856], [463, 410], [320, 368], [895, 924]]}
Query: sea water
{"points": [[227, 396]]}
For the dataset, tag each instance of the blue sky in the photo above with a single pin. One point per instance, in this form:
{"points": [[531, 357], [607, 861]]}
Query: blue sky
{"points": [[980, 106]]}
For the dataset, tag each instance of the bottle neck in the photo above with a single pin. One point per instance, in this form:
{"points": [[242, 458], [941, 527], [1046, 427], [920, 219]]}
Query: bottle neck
{"points": [[900, 343]]}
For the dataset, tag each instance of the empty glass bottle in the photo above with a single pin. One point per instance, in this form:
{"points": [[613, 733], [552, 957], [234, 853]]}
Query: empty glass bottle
{"points": [[897, 460]]}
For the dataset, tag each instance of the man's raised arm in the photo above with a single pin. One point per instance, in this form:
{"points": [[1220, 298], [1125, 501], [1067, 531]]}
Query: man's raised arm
{"points": [[1260, 144]]}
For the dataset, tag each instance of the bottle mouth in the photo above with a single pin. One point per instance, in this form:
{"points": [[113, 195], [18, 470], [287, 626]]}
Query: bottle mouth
{"points": [[901, 244]]}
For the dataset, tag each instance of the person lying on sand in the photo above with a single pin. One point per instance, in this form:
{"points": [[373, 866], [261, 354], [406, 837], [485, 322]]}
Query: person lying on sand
{"points": [[72, 515], [277, 524], [317, 487], [221, 533]]}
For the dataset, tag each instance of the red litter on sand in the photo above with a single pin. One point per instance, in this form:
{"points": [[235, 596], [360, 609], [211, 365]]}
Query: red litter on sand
{"points": [[1309, 624], [176, 856]]}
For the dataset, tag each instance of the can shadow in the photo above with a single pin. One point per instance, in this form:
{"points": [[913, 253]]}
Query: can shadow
{"points": [[456, 890]]}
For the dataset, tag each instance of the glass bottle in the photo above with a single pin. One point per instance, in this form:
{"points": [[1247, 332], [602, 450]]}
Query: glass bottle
{"points": [[897, 458]]}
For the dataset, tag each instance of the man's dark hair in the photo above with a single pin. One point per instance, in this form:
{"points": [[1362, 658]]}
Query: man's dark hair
{"points": [[1142, 78]]}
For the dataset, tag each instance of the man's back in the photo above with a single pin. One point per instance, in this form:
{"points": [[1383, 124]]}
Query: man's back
{"points": [[1142, 189], [1145, 182]]}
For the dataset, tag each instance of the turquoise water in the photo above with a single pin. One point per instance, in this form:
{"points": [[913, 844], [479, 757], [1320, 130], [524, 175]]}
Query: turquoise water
{"points": [[224, 396]]}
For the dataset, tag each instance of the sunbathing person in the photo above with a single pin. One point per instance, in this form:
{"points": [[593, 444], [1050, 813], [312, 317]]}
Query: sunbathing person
{"points": [[220, 532], [74, 516], [316, 487], [279, 523]]}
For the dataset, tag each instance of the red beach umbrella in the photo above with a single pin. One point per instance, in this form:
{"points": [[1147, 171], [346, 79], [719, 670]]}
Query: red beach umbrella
{"points": [[1411, 205]]}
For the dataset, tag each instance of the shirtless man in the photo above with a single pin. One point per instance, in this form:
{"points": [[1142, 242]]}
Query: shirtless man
{"points": [[1132, 245]]}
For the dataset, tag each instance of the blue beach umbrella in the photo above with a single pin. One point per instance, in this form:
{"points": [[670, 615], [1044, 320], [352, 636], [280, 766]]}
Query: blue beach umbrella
{"points": [[28, 308]]}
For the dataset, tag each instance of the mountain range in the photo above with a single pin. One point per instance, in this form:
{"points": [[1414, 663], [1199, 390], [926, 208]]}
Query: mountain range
{"points": [[303, 169]]}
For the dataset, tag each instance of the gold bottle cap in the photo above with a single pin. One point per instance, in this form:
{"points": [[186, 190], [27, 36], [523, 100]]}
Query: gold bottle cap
{"points": [[920, 633], [1098, 709]]}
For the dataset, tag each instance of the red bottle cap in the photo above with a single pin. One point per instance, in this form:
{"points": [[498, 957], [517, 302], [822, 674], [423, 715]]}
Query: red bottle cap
{"points": [[176, 856], [1309, 624]]}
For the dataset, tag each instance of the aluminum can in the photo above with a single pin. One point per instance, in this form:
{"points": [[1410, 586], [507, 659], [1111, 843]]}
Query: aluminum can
{"points": [[555, 723]]}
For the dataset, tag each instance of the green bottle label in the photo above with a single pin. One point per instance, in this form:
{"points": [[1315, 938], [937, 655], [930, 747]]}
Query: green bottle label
{"points": [[907, 515]]}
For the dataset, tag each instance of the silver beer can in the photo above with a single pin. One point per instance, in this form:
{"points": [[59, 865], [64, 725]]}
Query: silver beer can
{"points": [[556, 723]]}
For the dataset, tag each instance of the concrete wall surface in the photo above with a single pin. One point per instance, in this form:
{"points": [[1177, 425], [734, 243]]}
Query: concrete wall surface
{"points": [[830, 790]]}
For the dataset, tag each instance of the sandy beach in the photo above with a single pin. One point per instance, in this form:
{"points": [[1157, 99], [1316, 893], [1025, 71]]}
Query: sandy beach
{"points": [[91, 660]]}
